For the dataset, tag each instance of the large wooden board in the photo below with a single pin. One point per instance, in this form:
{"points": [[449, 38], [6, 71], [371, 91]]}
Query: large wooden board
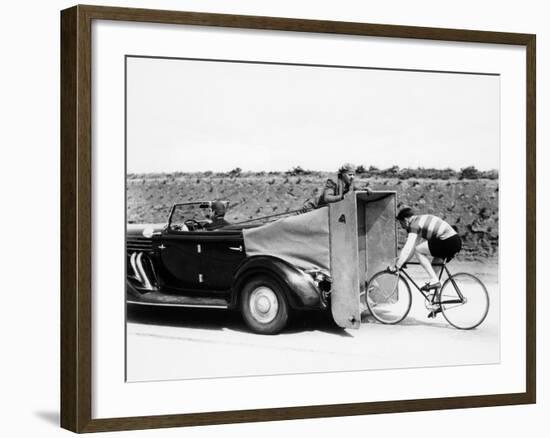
{"points": [[344, 254], [381, 234]]}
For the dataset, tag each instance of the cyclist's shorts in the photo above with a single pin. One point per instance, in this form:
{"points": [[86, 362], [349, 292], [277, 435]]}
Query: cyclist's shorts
{"points": [[445, 249]]}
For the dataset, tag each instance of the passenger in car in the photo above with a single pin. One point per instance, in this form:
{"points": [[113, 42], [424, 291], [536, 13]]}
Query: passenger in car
{"points": [[334, 191], [218, 216]]}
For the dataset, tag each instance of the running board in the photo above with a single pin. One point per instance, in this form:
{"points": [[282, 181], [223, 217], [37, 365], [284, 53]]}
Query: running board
{"points": [[160, 299]]}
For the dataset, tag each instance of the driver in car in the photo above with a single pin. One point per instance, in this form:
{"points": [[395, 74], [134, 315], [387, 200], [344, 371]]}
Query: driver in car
{"points": [[218, 216]]}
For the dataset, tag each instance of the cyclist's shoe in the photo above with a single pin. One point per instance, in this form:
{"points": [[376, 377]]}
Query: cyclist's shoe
{"points": [[434, 312], [430, 286]]}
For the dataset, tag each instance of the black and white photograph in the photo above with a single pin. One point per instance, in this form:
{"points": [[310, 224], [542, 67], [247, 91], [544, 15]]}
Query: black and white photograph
{"points": [[295, 218], [276, 218]]}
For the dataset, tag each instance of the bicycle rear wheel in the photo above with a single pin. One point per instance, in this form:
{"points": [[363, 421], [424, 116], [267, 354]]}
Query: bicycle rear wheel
{"points": [[464, 301], [388, 297]]}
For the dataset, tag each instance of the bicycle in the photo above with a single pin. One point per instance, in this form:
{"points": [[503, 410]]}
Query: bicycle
{"points": [[462, 299]]}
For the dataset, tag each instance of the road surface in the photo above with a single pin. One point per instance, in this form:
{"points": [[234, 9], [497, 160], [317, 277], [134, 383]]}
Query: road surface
{"points": [[165, 344]]}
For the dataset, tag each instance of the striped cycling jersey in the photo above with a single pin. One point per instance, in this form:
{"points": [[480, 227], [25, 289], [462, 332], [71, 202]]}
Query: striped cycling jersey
{"points": [[429, 226]]}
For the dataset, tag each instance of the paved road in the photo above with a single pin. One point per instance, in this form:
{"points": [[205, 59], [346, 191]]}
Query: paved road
{"points": [[168, 344]]}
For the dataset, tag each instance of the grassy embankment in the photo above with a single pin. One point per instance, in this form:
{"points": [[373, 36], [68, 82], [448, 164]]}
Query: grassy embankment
{"points": [[470, 205]]}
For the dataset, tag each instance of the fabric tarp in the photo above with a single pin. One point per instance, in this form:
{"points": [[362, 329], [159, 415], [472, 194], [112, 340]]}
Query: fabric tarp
{"points": [[301, 240]]}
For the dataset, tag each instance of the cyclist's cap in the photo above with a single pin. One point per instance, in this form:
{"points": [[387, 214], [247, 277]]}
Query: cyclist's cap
{"points": [[404, 213]]}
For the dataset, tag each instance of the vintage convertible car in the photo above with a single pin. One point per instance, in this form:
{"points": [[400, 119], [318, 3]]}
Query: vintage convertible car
{"points": [[264, 269], [182, 263]]}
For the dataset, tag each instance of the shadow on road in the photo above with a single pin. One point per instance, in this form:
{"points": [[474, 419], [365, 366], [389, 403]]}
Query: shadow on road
{"points": [[316, 321], [411, 321], [209, 319], [214, 319]]}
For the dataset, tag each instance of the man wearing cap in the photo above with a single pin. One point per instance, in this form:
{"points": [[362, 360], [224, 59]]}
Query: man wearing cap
{"points": [[218, 213], [335, 191], [428, 236]]}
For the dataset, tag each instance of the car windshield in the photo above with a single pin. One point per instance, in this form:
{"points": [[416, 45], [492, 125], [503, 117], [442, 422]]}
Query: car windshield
{"points": [[189, 217]]}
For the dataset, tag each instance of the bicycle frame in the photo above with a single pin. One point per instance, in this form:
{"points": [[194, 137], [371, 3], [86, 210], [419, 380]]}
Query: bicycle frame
{"points": [[438, 292]]}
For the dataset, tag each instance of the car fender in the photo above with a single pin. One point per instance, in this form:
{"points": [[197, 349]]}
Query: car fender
{"points": [[131, 290], [301, 291]]}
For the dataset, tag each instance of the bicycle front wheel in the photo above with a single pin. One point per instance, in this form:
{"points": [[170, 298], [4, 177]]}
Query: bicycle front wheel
{"points": [[464, 301], [388, 297]]}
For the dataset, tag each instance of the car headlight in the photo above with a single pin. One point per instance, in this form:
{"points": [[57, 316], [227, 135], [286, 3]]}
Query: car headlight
{"points": [[323, 281], [320, 276], [148, 232]]}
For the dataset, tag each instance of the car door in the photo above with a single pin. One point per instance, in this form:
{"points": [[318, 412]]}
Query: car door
{"points": [[179, 255], [222, 254]]}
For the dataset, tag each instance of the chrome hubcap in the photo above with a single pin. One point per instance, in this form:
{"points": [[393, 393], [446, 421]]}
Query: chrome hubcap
{"points": [[263, 304]]}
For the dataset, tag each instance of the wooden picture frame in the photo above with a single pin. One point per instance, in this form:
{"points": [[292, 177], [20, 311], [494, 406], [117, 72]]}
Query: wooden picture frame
{"points": [[76, 217]]}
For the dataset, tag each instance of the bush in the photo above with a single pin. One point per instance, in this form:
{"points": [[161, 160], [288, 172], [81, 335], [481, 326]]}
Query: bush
{"points": [[489, 174], [409, 173], [447, 173], [469, 172], [390, 172], [361, 170], [427, 173], [236, 172], [297, 170]]}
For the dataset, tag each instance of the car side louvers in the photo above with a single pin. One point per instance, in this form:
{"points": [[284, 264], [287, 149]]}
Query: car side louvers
{"points": [[135, 243]]}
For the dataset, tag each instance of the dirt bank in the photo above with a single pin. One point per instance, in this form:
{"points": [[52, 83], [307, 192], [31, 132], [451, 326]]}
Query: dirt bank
{"points": [[469, 205]]}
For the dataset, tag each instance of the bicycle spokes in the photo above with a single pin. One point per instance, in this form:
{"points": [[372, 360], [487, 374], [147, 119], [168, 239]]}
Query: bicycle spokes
{"points": [[384, 293], [388, 297], [464, 301]]}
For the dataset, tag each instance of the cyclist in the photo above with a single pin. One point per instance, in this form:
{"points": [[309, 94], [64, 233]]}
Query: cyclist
{"points": [[428, 235]]}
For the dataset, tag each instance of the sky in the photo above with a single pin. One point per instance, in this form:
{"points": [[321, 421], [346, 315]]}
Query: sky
{"points": [[191, 115]]}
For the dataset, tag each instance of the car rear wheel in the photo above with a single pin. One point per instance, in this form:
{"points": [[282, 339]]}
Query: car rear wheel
{"points": [[263, 306]]}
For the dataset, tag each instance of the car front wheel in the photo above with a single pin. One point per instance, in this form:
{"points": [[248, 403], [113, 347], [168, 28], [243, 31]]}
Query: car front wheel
{"points": [[264, 306]]}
